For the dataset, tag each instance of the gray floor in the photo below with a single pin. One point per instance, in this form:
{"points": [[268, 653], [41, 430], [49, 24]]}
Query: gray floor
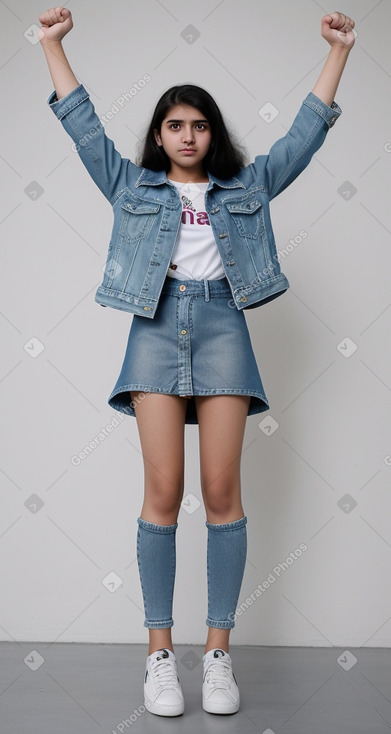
{"points": [[85, 688]]}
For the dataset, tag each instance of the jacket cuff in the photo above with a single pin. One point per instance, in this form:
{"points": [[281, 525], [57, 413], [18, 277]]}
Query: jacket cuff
{"points": [[62, 106], [330, 113]]}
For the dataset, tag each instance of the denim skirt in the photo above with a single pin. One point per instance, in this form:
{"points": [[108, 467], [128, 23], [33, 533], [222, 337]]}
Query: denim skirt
{"points": [[198, 343]]}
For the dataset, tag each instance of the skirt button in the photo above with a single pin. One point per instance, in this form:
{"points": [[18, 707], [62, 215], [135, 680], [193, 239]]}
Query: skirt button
{"points": [[182, 287]]}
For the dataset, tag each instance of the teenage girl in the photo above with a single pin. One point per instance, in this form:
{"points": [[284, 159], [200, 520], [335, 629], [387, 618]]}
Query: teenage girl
{"points": [[193, 361]]}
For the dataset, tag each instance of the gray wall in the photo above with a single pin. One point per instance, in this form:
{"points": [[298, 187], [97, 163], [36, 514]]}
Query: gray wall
{"points": [[322, 477]]}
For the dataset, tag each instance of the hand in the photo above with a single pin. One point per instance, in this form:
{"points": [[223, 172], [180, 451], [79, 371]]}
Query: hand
{"points": [[337, 29], [55, 24]]}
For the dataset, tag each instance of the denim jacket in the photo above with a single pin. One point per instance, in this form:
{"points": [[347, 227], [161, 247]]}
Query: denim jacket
{"points": [[147, 208]]}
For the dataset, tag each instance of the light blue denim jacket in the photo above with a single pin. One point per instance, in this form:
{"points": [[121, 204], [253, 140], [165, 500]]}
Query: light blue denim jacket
{"points": [[147, 208]]}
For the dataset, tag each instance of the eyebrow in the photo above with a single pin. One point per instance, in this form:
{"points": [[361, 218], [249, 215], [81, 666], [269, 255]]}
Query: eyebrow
{"points": [[183, 121]]}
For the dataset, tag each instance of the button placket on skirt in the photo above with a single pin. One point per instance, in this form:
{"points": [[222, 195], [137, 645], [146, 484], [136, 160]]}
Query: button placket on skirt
{"points": [[185, 383]]}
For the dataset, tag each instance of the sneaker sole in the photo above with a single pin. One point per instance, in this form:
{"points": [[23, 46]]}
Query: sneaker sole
{"points": [[220, 708], [159, 710]]}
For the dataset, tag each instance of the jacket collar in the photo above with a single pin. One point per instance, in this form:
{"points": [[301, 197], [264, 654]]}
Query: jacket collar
{"points": [[148, 177]]}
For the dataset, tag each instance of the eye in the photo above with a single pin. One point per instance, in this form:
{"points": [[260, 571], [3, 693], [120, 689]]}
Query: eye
{"points": [[199, 125]]}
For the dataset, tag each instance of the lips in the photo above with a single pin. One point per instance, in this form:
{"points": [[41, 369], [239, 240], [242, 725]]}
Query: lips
{"points": [[187, 150]]}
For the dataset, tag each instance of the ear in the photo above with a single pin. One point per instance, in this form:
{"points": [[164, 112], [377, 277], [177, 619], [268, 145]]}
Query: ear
{"points": [[157, 137]]}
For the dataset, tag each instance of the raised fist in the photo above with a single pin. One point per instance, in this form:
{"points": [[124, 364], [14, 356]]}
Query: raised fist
{"points": [[55, 24]]}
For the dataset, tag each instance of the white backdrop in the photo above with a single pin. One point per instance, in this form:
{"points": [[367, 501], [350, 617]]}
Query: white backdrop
{"points": [[316, 467]]}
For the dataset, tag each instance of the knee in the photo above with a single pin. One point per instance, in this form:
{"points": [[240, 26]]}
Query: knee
{"points": [[221, 500], [164, 498]]}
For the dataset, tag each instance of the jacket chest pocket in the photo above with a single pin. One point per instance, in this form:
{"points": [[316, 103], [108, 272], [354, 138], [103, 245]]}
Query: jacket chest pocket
{"points": [[248, 217], [137, 219]]}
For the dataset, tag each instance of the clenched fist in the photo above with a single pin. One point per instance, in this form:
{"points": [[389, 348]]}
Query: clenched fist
{"points": [[55, 24], [337, 29]]}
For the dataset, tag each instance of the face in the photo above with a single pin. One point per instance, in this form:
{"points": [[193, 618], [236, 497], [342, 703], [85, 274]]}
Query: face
{"points": [[185, 136]]}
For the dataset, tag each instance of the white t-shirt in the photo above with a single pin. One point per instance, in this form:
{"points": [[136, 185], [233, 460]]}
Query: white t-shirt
{"points": [[195, 253]]}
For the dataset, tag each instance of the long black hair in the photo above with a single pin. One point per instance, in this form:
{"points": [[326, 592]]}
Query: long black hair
{"points": [[226, 155]]}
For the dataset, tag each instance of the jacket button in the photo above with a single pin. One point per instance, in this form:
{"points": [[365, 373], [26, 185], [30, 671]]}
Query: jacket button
{"points": [[223, 234], [244, 298], [146, 308], [183, 331], [182, 287]]}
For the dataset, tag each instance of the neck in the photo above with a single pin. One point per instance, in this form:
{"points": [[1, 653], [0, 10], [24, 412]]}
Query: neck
{"points": [[188, 175]]}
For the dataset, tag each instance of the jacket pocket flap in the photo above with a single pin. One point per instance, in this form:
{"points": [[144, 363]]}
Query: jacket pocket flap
{"points": [[140, 207], [243, 207]]}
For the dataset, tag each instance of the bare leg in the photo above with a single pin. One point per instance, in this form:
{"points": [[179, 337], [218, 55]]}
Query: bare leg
{"points": [[222, 421], [160, 420]]}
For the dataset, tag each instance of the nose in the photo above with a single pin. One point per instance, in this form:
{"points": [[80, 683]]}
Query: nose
{"points": [[188, 135]]}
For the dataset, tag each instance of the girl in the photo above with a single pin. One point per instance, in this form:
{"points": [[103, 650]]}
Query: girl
{"points": [[192, 247]]}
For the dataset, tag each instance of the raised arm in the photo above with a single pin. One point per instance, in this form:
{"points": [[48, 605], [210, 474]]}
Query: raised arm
{"points": [[337, 29], [56, 23], [291, 154], [71, 104]]}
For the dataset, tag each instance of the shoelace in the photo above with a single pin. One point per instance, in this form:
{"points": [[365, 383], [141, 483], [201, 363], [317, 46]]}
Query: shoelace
{"points": [[218, 673], [164, 673]]}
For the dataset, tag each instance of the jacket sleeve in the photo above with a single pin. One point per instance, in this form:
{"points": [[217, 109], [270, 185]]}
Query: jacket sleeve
{"points": [[103, 162], [291, 154]]}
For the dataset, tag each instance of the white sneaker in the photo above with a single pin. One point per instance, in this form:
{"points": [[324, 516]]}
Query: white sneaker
{"points": [[162, 689], [220, 693]]}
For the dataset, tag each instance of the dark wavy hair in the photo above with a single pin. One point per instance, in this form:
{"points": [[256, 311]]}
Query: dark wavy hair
{"points": [[226, 155]]}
